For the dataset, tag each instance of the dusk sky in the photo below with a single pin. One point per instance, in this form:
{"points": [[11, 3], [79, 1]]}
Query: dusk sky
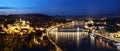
{"points": [[60, 7]]}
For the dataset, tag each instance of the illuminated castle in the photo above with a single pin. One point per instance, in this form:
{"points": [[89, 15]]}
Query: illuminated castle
{"points": [[19, 27]]}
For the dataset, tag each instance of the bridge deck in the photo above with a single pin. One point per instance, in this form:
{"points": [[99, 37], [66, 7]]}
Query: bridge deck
{"points": [[110, 38]]}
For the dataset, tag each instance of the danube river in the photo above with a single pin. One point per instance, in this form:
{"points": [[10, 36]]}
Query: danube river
{"points": [[79, 39]]}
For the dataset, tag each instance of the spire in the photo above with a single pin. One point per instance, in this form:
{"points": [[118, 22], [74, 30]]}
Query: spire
{"points": [[20, 20]]}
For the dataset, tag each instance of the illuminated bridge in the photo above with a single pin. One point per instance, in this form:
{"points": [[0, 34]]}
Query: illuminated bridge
{"points": [[111, 40], [75, 34]]}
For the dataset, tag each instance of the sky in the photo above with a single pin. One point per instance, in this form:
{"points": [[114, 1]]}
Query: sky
{"points": [[60, 7]]}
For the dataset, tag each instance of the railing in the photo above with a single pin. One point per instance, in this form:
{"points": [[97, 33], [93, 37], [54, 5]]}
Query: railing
{"points": [[110, 38]]}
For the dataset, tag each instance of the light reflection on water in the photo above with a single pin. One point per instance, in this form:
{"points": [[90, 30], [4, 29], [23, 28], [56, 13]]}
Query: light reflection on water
{"points": [[75, 41]]}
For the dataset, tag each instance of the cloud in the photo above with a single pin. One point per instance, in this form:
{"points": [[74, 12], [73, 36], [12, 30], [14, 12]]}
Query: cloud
{"points": [[30, 7], [7, 7]]}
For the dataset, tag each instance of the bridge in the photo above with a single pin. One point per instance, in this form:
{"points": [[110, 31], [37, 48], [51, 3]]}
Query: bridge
{"points": [[115, 43], [75, 34], [112, 40]]}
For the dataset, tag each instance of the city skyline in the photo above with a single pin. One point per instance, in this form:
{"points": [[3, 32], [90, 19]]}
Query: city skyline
{"points": [[60, 25]]}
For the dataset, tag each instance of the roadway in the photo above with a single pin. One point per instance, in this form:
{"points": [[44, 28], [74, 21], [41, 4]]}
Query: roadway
{"points": [[110, 38], [50, 29]]}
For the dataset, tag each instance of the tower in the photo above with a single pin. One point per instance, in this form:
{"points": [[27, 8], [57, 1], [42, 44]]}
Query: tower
{"points": [[20, 20]]}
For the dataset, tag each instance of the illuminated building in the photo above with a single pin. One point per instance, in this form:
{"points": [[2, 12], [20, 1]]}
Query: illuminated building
{"points": [[19, 27], [117, 34]]}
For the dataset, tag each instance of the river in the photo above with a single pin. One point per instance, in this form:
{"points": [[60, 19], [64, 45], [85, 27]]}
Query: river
{"points": [[79, 40]]}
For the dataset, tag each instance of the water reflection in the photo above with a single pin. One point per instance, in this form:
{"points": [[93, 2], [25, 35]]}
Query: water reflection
{"points": [[101, 43], [79, 40]]}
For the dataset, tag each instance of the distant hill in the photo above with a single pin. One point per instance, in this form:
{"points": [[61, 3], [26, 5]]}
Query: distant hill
{"points": [[36, 19]]}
